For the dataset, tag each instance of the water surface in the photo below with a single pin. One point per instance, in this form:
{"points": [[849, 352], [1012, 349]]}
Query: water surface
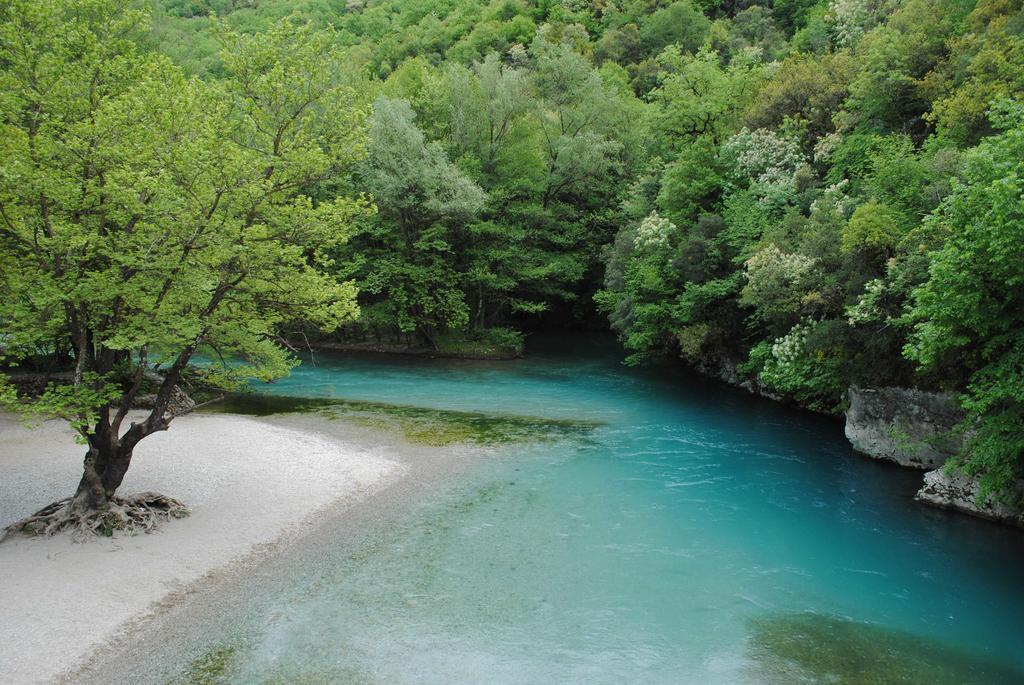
{"points": [[694, 534]]}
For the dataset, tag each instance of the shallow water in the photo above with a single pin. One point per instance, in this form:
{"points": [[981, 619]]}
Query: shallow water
{"points": [[694, 535]]}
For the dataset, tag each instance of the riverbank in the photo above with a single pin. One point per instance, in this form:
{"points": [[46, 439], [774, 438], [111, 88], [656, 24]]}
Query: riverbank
{"points": [[916, 429], [487, 348], [171, 645], [249, 483], [561, 559]]}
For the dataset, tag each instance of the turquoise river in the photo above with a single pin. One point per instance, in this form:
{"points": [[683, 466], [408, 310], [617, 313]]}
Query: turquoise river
{"points": [[695, 534]]}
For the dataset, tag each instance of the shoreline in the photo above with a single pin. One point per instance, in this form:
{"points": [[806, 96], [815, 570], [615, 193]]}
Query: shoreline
{"points": [[254, 485], [166, 643], [402, 350]]}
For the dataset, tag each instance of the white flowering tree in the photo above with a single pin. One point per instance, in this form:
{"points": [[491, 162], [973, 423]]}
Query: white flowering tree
{"points": [[765, 161], [779, 283], [653, 234]]}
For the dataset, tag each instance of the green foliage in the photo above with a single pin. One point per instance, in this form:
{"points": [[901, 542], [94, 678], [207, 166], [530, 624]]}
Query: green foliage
{"points": [[422, 197], [691, 183], [849, 156], [79, 404], [622, 45], [698, 97], [873, 226], [481, 343], [803, 365], [815, 36], [911, 181], [815, 188], [151, 214], [753, 32], [818, 210], [970, 312], [793, 14], [8, 393], [804, 89], [779, 284], [986, 65], [679, 24], [894, 59]]}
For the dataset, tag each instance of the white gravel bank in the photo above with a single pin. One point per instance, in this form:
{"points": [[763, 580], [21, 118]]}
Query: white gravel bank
{"points": [[247, 482]]}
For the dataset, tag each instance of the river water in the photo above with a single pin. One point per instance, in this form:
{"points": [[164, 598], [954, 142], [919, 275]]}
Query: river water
{"points": [[697, 535]]}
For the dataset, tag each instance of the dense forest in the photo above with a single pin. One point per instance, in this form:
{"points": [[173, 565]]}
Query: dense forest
{"points": [[802, 194]]}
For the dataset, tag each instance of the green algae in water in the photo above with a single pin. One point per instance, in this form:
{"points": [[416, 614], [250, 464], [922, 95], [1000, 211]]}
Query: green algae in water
{"points": [[209, 669], [809, 648], [217, 666], [421, 425]]}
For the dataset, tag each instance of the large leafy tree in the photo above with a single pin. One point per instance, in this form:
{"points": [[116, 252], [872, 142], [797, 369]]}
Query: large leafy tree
{"points": [[146, 217], [544, 140], [423, 197], [576, 116], [698, 97], [486, 102]]}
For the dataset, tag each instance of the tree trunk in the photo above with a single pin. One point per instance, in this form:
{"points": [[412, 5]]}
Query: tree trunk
{"points": [[480, 309], [427, 334], [103, 470]]}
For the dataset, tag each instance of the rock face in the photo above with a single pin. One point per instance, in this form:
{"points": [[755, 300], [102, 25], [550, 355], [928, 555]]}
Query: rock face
{"points": [[910, 427], [959, 492], [180, 402], [34, 384], [727, 371]]}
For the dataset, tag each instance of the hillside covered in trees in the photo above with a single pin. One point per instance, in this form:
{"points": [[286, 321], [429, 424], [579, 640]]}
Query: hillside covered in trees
{"points": [[804, 195]]}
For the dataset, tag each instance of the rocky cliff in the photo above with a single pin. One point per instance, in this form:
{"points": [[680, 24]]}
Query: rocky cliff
{"points": [[726, 370], [960, 492], [910, 427], [915, 428]]}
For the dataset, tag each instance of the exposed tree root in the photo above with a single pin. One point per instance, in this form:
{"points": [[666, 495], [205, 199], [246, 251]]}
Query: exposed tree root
{"points": [[134, 513]]}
